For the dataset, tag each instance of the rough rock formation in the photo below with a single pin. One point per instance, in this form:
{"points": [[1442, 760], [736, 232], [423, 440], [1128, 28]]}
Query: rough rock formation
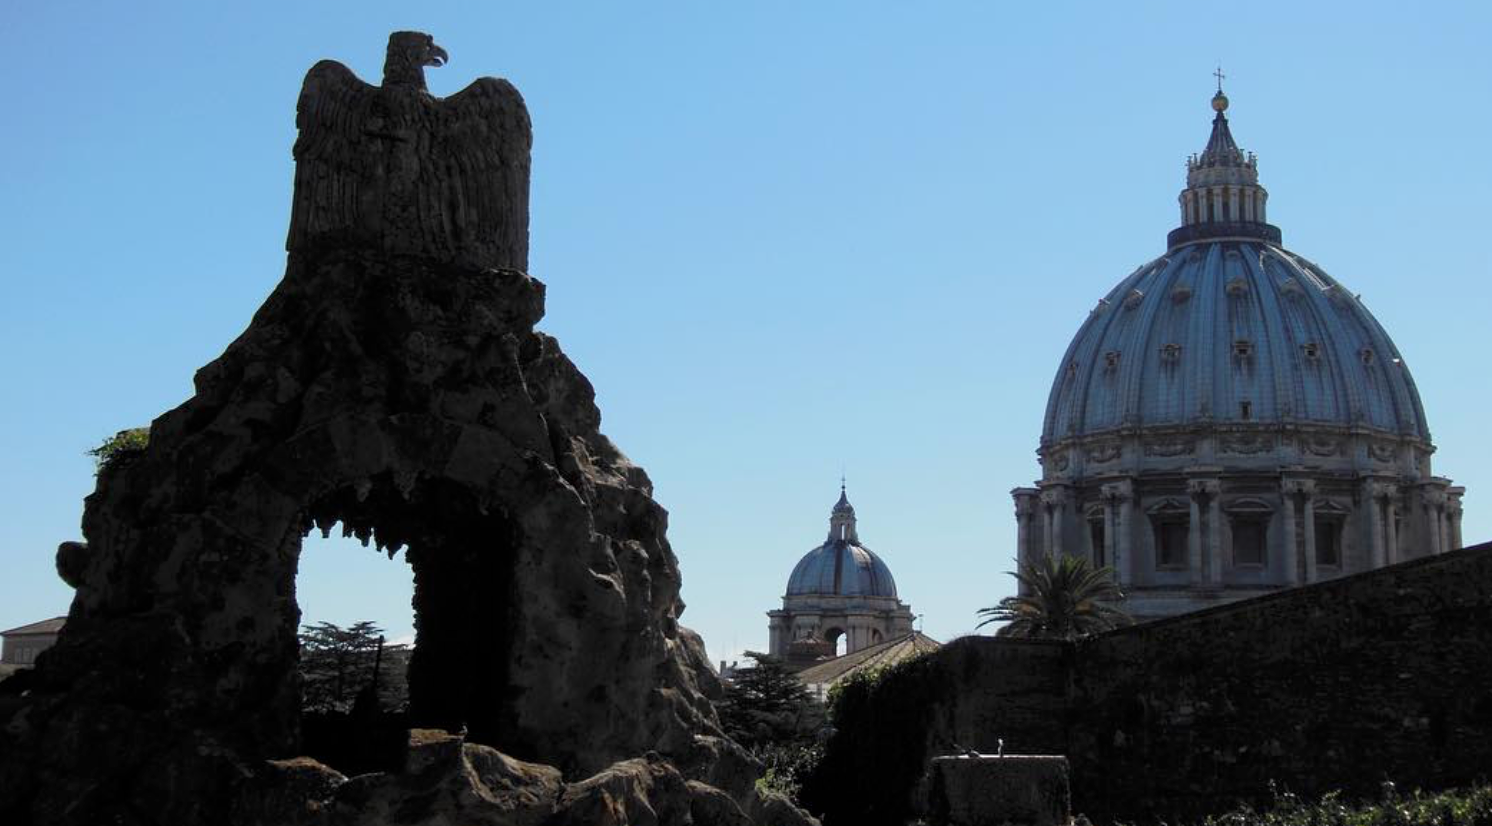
{"points": [[445, 780], [393, 382]]}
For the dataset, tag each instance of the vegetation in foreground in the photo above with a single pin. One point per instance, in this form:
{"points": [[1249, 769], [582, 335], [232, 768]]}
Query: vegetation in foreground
{"points": [[775, 717], [122, 446], [1457, 807], [1065, 598]]}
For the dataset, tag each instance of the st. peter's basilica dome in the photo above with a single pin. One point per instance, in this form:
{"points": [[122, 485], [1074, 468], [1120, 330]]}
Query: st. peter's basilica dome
{"points": [[1231, 420]]}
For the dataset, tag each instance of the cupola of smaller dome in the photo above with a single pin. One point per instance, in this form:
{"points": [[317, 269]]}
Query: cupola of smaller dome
{"points": [[842, 518]]}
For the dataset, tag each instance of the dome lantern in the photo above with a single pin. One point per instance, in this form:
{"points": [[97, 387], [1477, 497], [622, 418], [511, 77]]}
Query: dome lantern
{"points": [[842, 518], [1222, 198]]}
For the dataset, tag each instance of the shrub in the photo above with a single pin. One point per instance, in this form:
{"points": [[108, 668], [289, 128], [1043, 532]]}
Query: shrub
{"points": [[878, 752], [787, 764], [122, 446], [1457, 807]]}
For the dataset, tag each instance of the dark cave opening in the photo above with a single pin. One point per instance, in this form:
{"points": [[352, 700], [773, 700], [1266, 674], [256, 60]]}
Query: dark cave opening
{"points": [[462, 558]]}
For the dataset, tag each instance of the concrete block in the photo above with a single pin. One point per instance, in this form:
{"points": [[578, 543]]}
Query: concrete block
{"points": [[986, 790]]}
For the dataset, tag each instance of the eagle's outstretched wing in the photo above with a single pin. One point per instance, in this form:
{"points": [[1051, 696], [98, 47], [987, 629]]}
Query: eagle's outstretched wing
{"points": [[393, 169], [481, 151], [332, 161]]}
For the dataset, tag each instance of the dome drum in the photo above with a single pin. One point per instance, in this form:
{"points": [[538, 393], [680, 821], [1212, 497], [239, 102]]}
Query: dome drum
{"points": [[1264, 448]]}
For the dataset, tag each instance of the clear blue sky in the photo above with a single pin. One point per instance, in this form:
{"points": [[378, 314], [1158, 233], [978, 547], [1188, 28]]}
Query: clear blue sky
{"points": [[781, 238]]}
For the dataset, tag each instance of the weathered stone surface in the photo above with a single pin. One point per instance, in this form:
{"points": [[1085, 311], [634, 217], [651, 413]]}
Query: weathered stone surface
{"points": [[772, 809], [1336, 685], [295, 792], [393, 382], [722, 763], [639, 791], [985, 790], [446, 780]]}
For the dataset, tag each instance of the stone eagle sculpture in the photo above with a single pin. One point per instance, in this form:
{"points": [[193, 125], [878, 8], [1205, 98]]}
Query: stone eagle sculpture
{"points": [[396, 169]]}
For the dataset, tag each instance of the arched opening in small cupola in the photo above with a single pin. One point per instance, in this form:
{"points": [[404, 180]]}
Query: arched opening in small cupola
{"points": [[455, 559], [839, 639]]}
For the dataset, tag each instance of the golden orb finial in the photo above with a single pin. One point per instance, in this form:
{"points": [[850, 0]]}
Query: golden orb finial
{"points": [[1219, 102]]}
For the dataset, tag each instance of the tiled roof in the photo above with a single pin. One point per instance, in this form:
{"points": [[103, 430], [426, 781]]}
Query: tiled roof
{"points": [[50, 626], [875, 656]]}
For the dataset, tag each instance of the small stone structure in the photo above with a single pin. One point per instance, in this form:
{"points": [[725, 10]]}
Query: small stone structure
{"points": [[394, 382], [994, 790]]}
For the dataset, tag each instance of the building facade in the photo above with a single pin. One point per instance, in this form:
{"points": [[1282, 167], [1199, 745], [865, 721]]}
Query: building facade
{"points": [[23, 644], [1230, 420], [838, 590]]}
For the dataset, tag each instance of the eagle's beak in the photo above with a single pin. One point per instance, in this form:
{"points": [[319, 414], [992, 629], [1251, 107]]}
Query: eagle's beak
{"points": [[437, 56]]}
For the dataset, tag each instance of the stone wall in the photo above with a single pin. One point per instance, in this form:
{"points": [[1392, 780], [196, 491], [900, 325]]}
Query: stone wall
{"points": [[970, 694], [1340, 685], [1379, 676]]}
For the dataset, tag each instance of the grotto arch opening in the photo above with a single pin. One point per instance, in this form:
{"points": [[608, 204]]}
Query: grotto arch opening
{"points": [[460, 558], [356, 637]]}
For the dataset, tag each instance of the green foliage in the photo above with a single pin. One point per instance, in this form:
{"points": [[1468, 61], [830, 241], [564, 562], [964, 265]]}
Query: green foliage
{"points": [[1065, 598], [1463, 807], [860, 684], [124, 445], [787, 765], [768, 711], [879, 747], [337, 664], [766, 705]]}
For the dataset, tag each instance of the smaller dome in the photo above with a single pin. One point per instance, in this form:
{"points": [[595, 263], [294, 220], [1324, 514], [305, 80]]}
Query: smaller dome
{"points": [[841, 568]]}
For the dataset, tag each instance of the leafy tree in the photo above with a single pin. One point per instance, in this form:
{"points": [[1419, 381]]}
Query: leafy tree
{"points": [[1065, 598], [337, 664], [766, 704], [767, 710]]}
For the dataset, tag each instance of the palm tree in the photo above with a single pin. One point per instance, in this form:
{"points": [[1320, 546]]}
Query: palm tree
{"points": [[1065, 598]]}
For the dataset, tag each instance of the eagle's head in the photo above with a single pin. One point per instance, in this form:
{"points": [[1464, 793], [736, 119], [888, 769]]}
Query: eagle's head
{"points": [[408, 55]]}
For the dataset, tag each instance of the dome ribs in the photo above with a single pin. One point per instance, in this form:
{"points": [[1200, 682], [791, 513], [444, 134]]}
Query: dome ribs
{"points": [[1204, 326], [1284, 345], [1302, 338]]}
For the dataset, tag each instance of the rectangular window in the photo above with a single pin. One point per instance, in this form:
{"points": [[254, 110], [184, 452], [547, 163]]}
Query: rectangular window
{"points": [[1249, 541], [1095, 536], [1328, 542], [1171, 542]]}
